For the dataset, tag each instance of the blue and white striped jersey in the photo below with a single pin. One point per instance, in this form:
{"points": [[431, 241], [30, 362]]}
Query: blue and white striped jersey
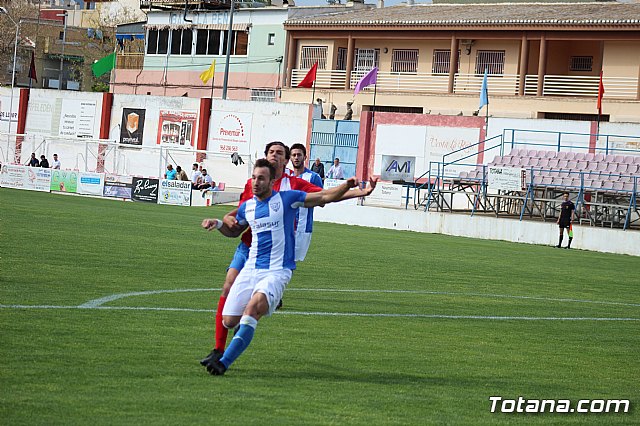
{"points": [[305, 216], [272, 229]]}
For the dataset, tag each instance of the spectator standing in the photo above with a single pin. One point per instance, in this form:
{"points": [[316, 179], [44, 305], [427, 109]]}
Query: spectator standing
{"points": [[56, 162], [33, 161], [44, 162], [196, 175], [182, 175], [318, 167], [566, 219], [335, 172], [170, 174]]}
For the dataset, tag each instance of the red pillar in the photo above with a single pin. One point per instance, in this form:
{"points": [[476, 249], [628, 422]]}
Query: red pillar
{"points": [[105, 122], [203, 127], [363, 160], [23, 106]]}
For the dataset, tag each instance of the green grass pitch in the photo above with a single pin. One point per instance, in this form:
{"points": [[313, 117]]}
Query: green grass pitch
{"points": [[378, 327]]}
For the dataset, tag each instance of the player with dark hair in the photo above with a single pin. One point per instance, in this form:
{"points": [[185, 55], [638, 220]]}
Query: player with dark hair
{"points": [[262, 281], [565, 219], [304, 220]]}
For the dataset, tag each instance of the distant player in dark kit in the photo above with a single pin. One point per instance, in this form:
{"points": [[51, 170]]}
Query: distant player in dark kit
{"points": [[565, 220]]}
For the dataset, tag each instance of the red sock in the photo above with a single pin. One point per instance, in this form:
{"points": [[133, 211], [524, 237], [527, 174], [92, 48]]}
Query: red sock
{"points": [[221, 330]]}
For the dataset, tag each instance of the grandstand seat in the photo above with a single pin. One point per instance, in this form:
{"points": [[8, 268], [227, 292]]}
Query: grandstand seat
{"points": [[515, 161], [618, 186], [515, 152], [628, 159], [590, 157], [562, 155], [550, 154], [571, 156], [546, 181], [532, 153], [618, 158], [602, 166], [587, 183], [598, 157], [612, 167], [636, 159], [572, 165], [609, 158], [622, 168], [555, 174], [562, 164], [567, 182], [628, 186], [582, 165], [580, 156], [633, 169], [543, 163], [533, 161], [553, 163], [625, 178]]}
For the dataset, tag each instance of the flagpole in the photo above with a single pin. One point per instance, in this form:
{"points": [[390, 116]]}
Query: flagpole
{"points": [[213, 79], [373, 108], [486, 122], [313, 92]]}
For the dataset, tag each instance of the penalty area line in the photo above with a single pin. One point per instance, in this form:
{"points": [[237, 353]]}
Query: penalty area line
{"points": [[327, 314]]}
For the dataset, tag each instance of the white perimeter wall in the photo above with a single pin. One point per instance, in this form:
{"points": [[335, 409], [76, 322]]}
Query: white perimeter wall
{"points": [[585, 237]]}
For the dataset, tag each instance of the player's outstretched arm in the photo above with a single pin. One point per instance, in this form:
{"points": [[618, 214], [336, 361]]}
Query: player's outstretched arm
{"points": [[359, 192], [211, 224], [332, 195]]}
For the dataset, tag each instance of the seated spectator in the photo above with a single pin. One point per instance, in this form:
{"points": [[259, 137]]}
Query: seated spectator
{"points": [[33, 161], [182, 175], [170, 174], [44, 162], [207, 181]]}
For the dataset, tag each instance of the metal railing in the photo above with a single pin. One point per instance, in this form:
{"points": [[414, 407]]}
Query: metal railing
{"points": [[505, 84]]}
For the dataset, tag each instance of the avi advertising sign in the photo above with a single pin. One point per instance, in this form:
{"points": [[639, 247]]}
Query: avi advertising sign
{"points": [[398, 168]]}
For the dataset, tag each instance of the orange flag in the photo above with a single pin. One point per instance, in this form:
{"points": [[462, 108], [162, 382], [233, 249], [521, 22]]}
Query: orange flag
{"points": [[600, 94]]}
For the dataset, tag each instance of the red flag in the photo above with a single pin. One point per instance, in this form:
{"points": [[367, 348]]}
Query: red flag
{"points": [[310, 78], [600, 94], [32, 68]]}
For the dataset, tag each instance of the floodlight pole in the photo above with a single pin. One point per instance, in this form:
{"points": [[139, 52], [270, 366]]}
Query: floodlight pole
{"points": [[225, 82], [64, 41], [15, 54]]}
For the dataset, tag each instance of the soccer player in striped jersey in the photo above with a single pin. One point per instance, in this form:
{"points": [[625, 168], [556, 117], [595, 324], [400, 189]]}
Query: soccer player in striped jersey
{"points": [[277, 153], [304, 221], [261, 283]]}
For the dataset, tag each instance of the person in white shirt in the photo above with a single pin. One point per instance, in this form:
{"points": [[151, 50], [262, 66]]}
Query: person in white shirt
{"points": [[335, 172], [195, 175], [56, 163]]}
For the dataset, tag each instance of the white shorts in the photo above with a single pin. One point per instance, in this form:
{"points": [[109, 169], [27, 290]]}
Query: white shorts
{"points": [[251, 281], [303, 241]]}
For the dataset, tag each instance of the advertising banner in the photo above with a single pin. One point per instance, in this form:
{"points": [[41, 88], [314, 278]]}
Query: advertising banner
{"points": [[398, 168], [24, 177], [90, 183], [332, 183], [506, 178], [77, 118], [176, 192], [386, 195], [145, 190], [132, 126], [229, 132], [64, 180], [116, 186], [177, 127]]}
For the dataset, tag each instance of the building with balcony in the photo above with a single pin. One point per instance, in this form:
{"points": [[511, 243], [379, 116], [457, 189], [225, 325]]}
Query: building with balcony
{"points": [[182, 40], [543, 59]]}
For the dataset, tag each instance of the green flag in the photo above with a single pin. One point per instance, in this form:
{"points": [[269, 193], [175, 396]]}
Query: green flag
{"points": [[104, 65]]}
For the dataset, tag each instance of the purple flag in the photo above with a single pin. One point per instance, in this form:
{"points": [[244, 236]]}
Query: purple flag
{"points": [[367, 80]]}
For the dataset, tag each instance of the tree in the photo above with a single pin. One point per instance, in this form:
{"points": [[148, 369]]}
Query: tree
{"points": [[17, 10]]}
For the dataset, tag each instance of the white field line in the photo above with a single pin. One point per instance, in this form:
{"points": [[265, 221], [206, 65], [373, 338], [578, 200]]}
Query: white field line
{"points": [[326, 314], [101, 301]]}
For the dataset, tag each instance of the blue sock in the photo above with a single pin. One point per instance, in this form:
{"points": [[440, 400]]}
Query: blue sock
{"points": [[240, 341]]}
